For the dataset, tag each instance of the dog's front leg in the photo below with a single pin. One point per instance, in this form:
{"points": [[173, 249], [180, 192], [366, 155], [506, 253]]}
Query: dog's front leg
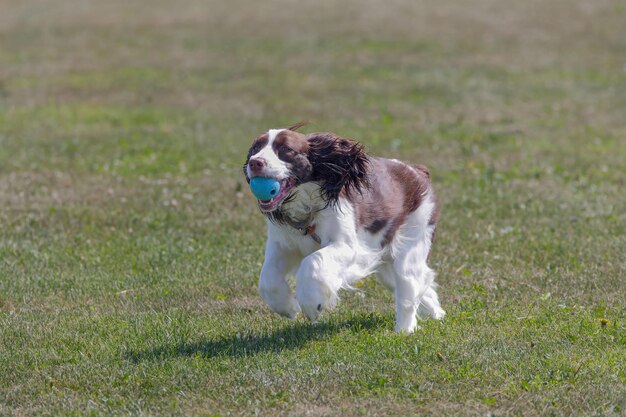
{"points": [[273, 285], [320, 276]]}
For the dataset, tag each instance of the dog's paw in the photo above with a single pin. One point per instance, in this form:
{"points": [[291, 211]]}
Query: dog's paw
{"points": [[292, 310], [438, 314], [406, 322], [315, 299], [281, 302], [406, 328], [313, 312]]}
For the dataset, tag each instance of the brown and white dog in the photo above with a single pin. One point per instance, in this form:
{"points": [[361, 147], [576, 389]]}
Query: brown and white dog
{"points": [[339, 216]]}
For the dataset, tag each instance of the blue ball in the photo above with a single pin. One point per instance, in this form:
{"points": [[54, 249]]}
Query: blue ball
{"points": [[264, 188]]}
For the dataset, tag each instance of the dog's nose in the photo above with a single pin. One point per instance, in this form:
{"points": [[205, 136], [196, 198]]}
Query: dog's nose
{"points": [[257, 164]]}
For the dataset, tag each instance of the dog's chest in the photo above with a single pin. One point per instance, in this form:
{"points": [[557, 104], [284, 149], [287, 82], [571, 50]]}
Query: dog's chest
{"points": [[291, 239], [299, 215]]}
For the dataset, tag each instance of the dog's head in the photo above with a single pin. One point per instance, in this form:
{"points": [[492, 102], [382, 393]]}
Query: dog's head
{"points": [[338, 165]]}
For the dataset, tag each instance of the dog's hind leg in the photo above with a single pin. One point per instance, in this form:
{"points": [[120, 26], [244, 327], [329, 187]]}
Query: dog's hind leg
{"points": [[413, 278], [413, 283], [429, 305]]}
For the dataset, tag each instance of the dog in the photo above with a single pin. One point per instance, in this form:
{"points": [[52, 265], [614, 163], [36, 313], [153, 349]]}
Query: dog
{"points": [[339, 216]]}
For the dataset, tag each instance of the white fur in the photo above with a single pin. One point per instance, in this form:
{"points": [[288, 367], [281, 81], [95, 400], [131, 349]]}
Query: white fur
{"points": [[275, 168], [346, 254]]}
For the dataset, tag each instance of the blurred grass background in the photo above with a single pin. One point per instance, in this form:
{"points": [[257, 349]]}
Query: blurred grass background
{"points": [[130, 246]]}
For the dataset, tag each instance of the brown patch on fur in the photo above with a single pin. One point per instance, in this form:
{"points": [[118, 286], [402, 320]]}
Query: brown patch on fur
{"points": [[292, 148], [435, 214], [395, 191], [423, 169], [257, 145], [289, 139]]}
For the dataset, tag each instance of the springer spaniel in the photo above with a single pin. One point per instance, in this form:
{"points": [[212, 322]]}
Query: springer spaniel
{"points": [[340, 215]]}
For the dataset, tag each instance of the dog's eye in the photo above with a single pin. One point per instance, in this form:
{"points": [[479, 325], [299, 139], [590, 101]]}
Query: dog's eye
{"points": [[285, 149]]}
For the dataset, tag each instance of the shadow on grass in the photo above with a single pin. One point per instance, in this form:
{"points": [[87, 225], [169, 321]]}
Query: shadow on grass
{"points": [[290, 337]]}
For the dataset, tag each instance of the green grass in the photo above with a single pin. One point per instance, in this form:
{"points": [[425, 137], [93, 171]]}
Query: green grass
{"points": [[130, 247]]}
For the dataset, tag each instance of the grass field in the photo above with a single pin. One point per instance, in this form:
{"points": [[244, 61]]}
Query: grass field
{"points": [[130, 245]]}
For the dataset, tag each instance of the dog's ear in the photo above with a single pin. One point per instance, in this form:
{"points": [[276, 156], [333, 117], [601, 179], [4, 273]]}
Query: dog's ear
{"points": [[340, 165], [298, 125]]}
